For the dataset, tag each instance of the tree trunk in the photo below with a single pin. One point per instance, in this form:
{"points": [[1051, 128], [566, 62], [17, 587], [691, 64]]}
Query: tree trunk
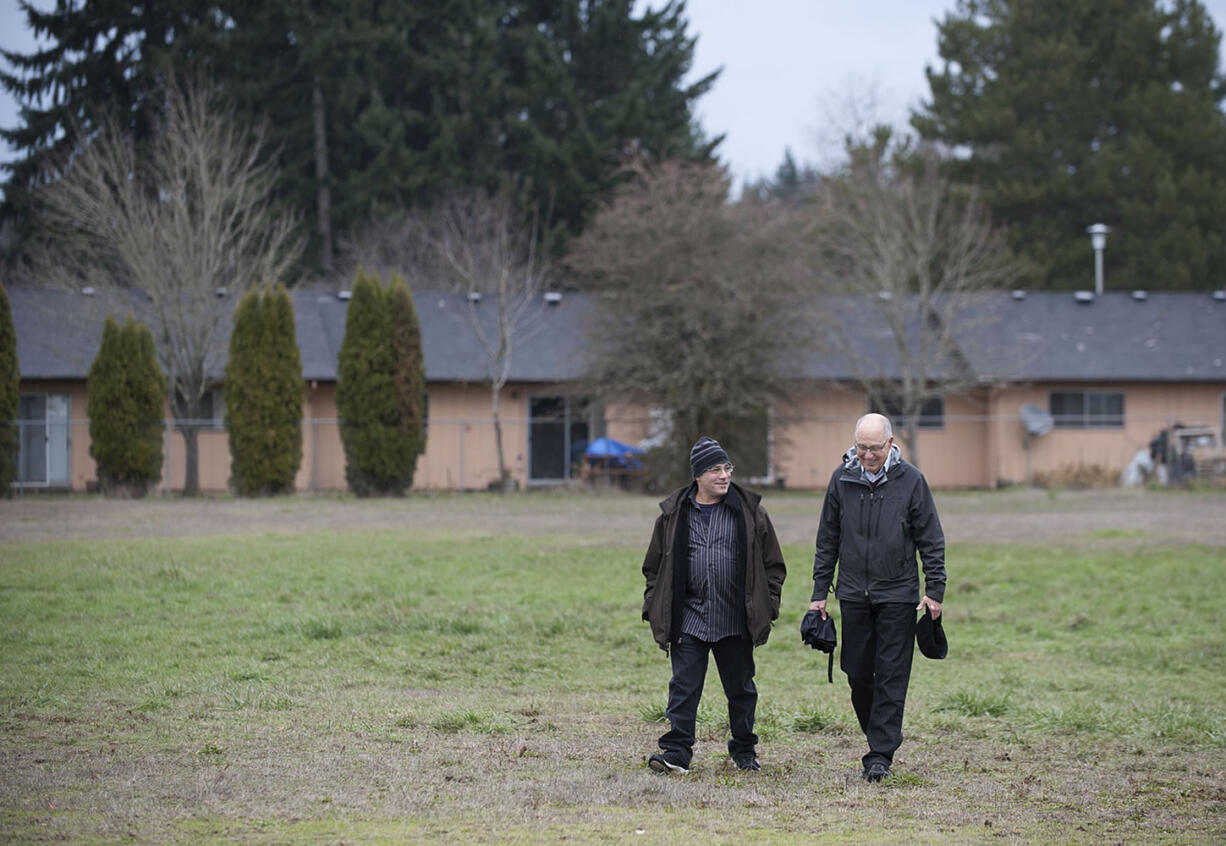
{"points": [[323, 194], [910, 437], [191, 459], [504, 475]]}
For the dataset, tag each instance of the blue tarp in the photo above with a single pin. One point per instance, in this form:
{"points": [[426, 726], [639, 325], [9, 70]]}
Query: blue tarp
{"points": [[609, 448], [606, 452]]}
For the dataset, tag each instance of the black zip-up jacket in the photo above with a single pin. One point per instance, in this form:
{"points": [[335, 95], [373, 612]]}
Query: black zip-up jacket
{"points": [[666, 565], [874, 536]]}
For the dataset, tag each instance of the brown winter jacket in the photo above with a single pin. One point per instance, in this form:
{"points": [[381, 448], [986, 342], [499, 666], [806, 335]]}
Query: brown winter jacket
{"points": [[667, 563]]}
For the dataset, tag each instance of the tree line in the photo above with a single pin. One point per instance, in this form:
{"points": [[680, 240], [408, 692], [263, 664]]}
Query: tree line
{"points": [[499, 148], [369, 108]]}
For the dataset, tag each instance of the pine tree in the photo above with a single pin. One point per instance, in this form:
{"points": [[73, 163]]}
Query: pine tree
{"points": [[377, 107], [127, 401], [103, 63], [264, 395], [1075, 112], [10, 396], [379, 453]]}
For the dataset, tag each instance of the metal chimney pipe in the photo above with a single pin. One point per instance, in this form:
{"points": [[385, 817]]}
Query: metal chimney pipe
{"points": [[1098, 240]]}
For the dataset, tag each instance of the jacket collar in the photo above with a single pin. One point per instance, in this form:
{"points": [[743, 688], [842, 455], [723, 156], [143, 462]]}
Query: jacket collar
{"points": [[735, 497], [852, 468]]}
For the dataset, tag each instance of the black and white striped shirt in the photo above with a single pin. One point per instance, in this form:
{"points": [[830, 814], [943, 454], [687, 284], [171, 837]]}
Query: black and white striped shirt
{"points": [[714, 605]]}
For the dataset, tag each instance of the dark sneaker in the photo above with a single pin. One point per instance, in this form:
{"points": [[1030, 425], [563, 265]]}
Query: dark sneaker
{"points": [[747, 761], [876, 771], [666, 763]]}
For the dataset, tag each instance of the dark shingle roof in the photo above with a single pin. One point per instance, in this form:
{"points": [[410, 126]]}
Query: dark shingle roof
{"points": [[1046, 336], [1115, 337], [59, 332]]}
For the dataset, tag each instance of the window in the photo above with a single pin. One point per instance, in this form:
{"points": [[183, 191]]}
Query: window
{"points": [[1087, 409], [212, 409], [931, 416]]}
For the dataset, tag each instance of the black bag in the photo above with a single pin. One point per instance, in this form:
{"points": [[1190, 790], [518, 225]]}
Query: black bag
{"points": [[819, 634]]}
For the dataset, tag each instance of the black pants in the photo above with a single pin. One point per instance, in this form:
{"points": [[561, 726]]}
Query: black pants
{"points": [[878, 643], [734, 660]]}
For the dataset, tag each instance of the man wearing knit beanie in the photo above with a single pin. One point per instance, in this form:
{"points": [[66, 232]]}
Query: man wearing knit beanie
{"points": [[714, 573]]}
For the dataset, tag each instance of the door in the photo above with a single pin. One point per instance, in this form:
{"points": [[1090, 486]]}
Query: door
{"points": [[557, 436], [45, 441]]}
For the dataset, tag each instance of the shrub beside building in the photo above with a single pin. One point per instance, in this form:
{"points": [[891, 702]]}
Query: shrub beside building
{"points": [[264, 395], [127, 402]]}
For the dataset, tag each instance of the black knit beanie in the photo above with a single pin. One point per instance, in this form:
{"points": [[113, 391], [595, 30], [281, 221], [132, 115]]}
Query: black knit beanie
{"points": [[705, 454]]}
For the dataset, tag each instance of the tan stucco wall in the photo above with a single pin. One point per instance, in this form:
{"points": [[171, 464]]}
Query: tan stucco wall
{"points": [[460, 447], [980, 445], [461, 451], [1148, 408], [812, 434]]}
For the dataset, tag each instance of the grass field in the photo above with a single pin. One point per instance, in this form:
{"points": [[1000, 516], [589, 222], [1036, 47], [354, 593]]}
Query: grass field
{"points": [[430, 681]]}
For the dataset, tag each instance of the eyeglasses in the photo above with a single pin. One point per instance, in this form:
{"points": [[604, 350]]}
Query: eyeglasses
{"points": [[870, 447], [719, 468]]}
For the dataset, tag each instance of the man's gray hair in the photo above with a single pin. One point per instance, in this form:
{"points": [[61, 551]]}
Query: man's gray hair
{"points": [[878, 420]]}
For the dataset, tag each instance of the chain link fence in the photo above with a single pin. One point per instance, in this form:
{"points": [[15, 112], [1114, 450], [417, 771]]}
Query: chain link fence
{"points": [[461, 453]]}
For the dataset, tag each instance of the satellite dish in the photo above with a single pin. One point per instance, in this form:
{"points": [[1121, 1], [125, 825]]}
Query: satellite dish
{"points": [[1036, 420]]}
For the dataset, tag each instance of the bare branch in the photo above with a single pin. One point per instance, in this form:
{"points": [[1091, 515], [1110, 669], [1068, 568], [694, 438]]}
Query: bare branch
{"points": [[192, 220], [917, 255]]}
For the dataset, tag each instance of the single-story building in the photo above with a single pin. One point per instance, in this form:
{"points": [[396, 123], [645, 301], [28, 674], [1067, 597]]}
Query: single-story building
{"points": [[1111, 371]]}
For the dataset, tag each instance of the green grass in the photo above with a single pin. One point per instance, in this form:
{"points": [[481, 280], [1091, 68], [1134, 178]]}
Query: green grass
{"points": [[388, 685]]}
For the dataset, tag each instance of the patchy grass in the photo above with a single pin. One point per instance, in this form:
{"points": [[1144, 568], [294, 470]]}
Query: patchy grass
{"points": [[396, 685]]}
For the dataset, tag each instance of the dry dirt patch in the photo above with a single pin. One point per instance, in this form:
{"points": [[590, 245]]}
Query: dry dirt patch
{"points": [[1015, 516]]}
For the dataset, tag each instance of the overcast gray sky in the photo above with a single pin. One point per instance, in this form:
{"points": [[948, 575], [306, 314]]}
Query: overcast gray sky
{"points": [[796, 72]]}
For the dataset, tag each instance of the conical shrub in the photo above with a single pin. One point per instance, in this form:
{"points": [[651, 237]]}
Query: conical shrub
{"points": [[127, 406]]}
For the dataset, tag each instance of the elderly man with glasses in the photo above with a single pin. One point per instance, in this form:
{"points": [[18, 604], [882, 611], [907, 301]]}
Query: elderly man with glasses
{"points": [[878, 513], [714, 573]]}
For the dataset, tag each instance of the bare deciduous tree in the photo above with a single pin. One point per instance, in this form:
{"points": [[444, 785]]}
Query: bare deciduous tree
{"points": [[478, 245], [191, 226], [697, 304], [917, 257]]}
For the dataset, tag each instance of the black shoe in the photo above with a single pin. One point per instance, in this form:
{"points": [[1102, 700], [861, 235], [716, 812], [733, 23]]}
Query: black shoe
{"points": [[747, 761], [876, 771], [666, 763]]}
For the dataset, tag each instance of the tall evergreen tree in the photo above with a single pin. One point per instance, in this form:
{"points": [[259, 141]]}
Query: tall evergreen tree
{"points": [[410, 369], [10, 396], [104, 62], [375, 107], [127, 401], [1074, 112], [264, 395], [792, 183], [380, 455]]}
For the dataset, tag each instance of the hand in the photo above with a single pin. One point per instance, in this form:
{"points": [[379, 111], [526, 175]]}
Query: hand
{"points": [[820, 605], [933, 606]]}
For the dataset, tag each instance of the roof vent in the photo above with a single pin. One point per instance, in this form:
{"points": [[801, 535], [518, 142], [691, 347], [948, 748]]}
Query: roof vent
{"points": [[1220, 296], [553, 297], [1083, 296], [474, 297], [344, 295], [1018, 294], [88, 291], [1140, 296]]}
